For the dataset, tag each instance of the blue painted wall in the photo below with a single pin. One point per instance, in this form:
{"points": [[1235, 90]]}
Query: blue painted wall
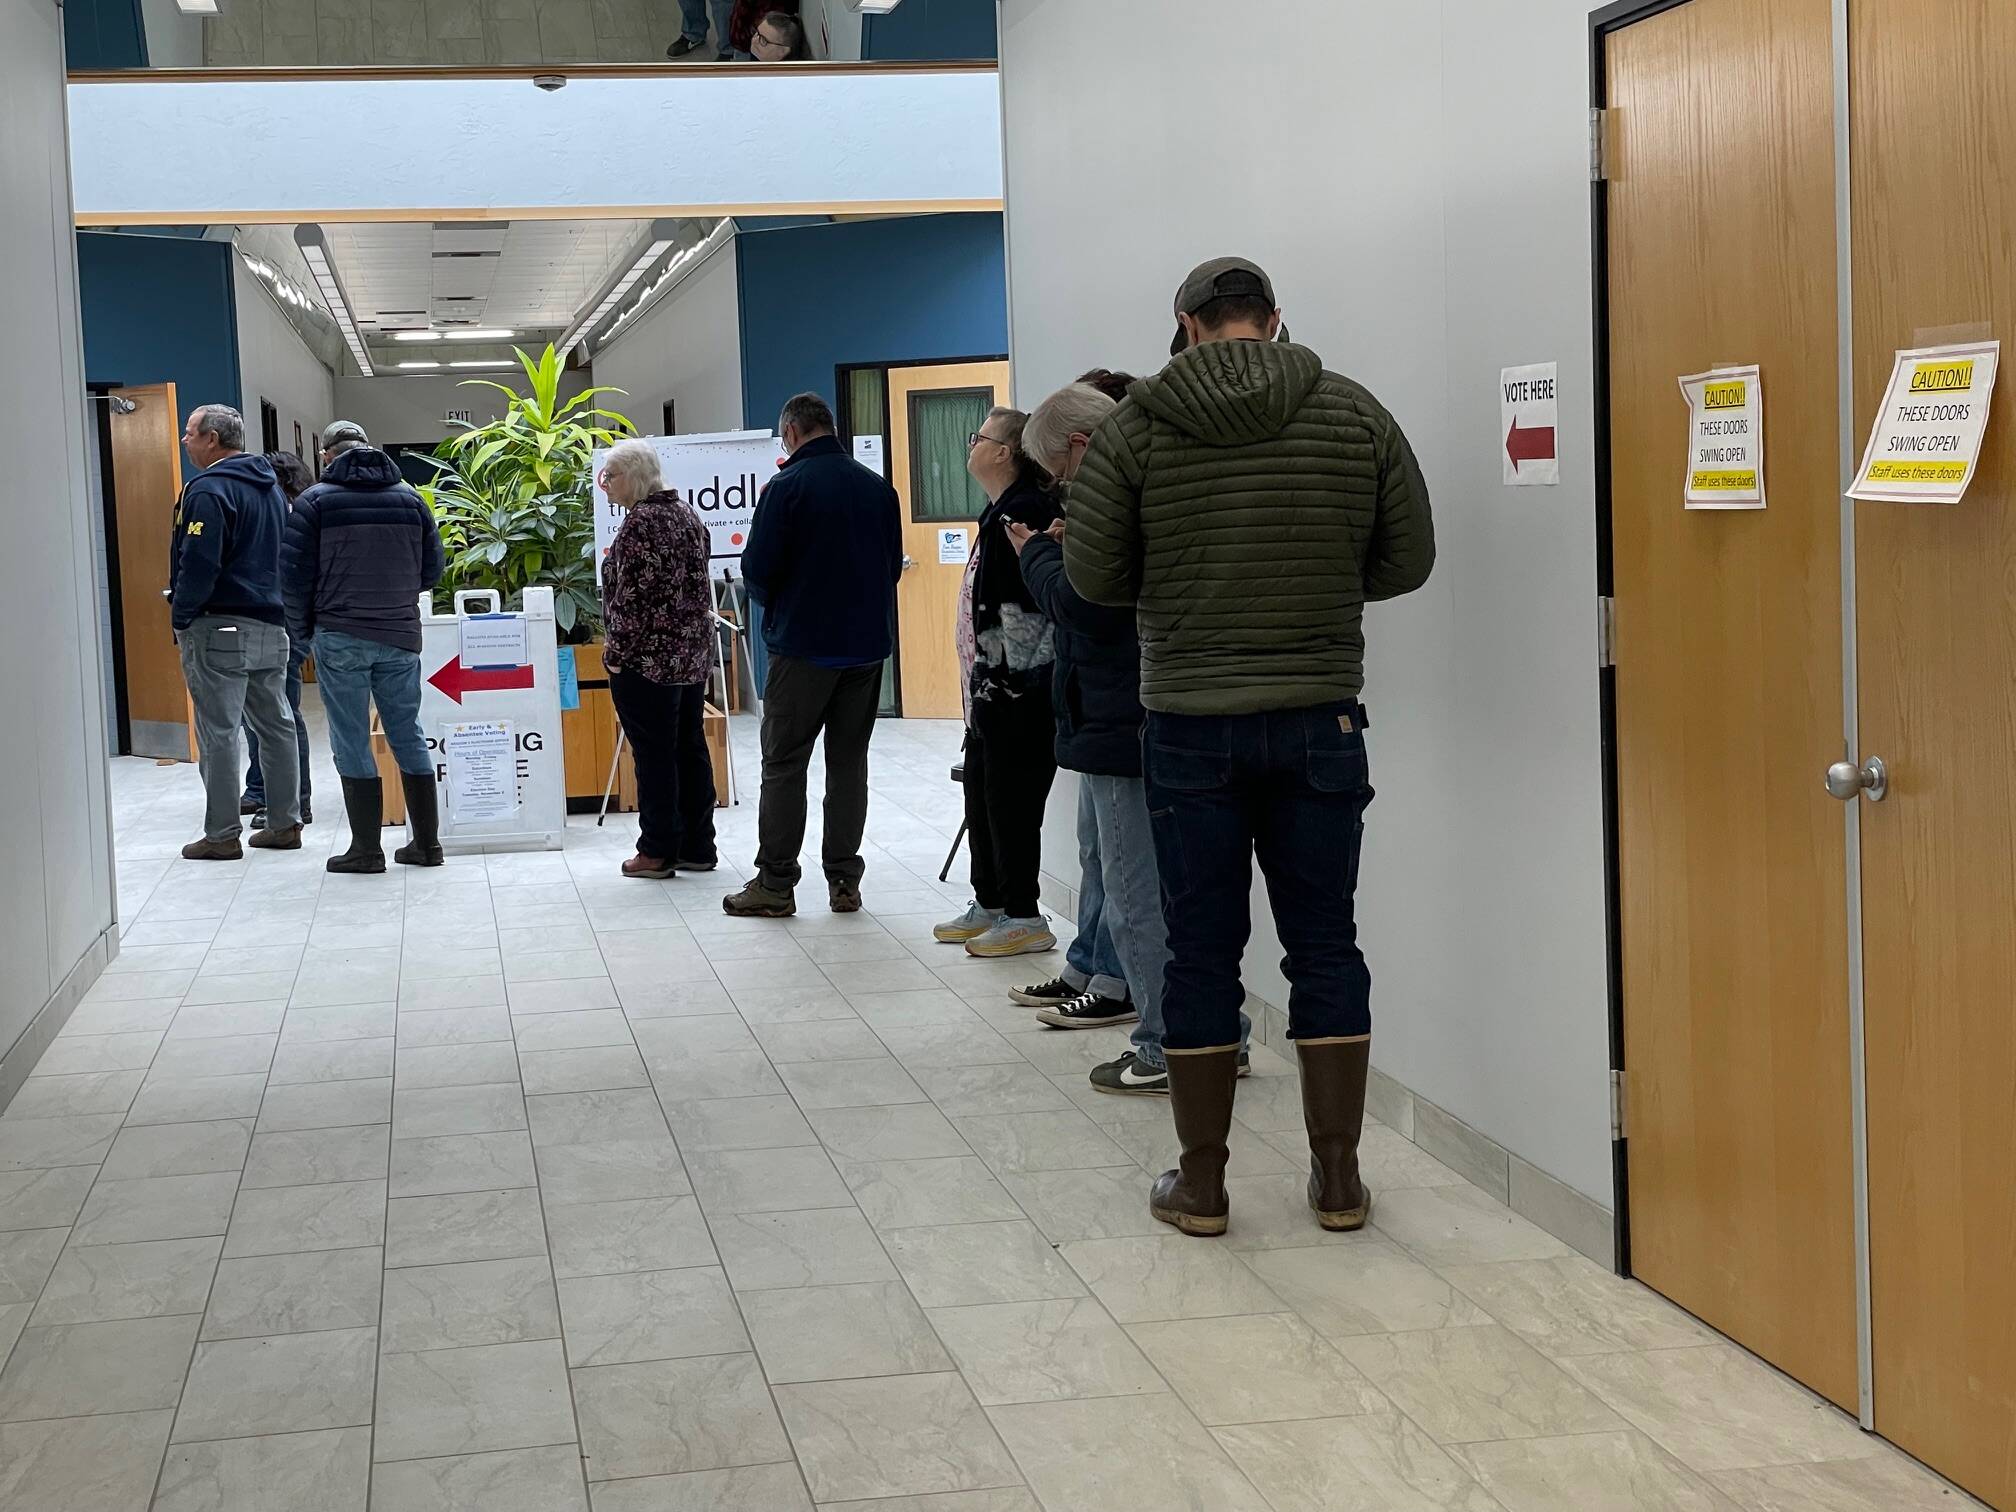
{"points": [[104, 34], [905, 290], [160, 309], [932, 30]]}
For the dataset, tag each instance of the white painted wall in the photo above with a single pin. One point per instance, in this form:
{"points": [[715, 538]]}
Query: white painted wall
{"points": [[406, 410], [686, 348], [1415, 178], [274, 364], [56, 894], [920, 140]]}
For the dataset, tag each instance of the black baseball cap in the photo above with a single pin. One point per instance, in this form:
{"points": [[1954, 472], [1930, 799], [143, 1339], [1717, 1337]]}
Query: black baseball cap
{"points": [[1217, 279]]}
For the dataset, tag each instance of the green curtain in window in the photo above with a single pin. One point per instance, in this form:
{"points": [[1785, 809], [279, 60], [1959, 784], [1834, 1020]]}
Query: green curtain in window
{"points": [[940, 422], [864, 402]]}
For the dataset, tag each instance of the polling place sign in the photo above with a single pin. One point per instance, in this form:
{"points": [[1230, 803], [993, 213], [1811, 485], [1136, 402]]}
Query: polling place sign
{"points": [[720, 475], [1927, 437]]}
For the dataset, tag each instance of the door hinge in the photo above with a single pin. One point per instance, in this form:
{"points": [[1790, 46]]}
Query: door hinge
{"points": [[1606, 631], [1616, 1104], [1599, 145]]}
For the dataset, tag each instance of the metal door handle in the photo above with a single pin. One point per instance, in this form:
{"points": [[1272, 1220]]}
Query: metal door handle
{"points": [[1871, 780], [908, 561]]}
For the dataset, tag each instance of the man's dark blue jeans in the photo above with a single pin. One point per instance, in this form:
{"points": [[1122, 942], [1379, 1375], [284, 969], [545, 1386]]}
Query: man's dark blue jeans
{"points": [[1290, 788]]}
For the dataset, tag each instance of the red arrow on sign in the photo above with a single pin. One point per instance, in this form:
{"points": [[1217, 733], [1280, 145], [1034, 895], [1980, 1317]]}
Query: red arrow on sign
{"points": [[1535, 443], [454, 679]]}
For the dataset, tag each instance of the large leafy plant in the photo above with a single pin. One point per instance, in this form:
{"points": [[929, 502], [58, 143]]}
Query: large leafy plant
{"points": [[514, 499]]}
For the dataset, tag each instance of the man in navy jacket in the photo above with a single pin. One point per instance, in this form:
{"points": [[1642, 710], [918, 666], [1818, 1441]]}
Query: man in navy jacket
{"points": [[224, 594], [825, 550], [361, 548]]}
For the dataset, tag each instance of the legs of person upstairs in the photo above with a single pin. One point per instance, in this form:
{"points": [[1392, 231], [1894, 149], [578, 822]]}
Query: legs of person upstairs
{"points": [[1017, 740], [1291, 789]]}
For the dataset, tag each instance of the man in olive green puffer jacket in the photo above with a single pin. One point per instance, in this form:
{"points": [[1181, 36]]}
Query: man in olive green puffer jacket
{"points": [[1248, 504]]}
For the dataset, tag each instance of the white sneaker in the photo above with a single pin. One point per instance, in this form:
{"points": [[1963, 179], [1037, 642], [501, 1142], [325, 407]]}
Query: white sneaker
{"points": [[1011, 937], [971, 924]]}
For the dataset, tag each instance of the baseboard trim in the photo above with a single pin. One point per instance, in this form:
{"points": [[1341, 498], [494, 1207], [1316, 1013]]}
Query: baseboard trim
{"points": [[21, 1056]]}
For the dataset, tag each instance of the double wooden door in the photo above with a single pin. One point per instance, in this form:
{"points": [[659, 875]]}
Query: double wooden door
{"points": [[1754, 648]]}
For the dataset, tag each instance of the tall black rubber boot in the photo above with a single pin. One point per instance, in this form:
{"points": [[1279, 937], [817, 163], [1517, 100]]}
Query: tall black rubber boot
{"points": [[423, 813], [364, 802]]}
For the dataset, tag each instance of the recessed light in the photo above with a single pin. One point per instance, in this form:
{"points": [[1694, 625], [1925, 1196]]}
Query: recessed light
{"points": [[504, 362], [416, 335], [419, 364], [480, 335]]}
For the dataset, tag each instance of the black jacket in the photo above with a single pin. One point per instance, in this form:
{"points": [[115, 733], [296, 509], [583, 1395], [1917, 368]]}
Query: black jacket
{"points": [[1096, 686], [361, 548], [225, 555], [825, 549]]}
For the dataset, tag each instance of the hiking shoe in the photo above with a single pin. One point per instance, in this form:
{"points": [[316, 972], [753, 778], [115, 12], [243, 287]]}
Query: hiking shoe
{"points": [[1089, 1011], [1133, 1077], [278, 839], [1051, 994], [1010, 937], [1130, 1076], [213, 850], [843, 896], [683, 46], [682, 864], [247, 804], [759, 902], [652, 868], [970, 925]]}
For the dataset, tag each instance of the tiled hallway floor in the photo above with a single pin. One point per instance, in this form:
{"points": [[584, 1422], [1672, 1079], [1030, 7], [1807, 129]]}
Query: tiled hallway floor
{"points": [[516, 1186]]}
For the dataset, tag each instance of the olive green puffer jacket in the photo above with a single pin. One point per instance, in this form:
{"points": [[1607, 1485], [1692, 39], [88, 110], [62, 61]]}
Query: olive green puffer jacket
{"points": [[1248, 504]]}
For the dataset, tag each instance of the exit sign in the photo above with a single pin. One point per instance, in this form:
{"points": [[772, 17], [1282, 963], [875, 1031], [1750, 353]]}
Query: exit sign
{"points": [[465, 417]]}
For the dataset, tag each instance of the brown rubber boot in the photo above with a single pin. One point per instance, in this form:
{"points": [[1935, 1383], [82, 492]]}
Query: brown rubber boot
{"points": [[1333, 1107], [1201, 1084]]}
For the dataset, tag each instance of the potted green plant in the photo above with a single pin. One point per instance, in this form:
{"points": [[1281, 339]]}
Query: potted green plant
{"points": [[514, 498], [515, 504]]}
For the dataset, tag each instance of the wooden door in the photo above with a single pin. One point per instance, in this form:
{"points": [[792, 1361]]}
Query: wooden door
{"points": [[927, 407], [144, 486], [1934, 184], [1729, 684]]}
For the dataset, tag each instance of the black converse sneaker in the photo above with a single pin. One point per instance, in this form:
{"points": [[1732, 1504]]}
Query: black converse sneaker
{"points": [[1089, 1011], [1051, 994]]}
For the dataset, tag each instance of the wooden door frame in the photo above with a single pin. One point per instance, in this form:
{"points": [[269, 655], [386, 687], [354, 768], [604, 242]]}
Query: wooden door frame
{"points": [[843, 411], [1603, 22]]}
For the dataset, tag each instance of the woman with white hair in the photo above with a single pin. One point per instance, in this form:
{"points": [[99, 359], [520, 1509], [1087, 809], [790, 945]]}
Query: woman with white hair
{"points": [[1113, 970], [658, 609]]}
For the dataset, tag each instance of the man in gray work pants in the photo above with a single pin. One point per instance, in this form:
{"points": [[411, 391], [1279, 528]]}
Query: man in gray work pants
{"points": [[224, 589]]}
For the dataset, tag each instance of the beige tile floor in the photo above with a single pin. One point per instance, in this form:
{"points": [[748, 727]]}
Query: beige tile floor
{"points": [[517, 1186]]}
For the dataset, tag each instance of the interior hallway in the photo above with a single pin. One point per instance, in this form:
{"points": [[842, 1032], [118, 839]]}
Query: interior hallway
{"points": [[514, 1184]]}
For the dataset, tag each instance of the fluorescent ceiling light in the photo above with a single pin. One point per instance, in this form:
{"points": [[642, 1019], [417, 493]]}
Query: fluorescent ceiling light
{"points": [[416, 335], [874, 7], [197, 7], [315, 252], [419, 364], [480, 335], [661, 238], [670, 274], [502, 362]]}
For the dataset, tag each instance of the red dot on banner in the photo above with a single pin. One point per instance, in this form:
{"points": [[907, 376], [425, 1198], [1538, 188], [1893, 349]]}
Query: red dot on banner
{"points": [[735, 539]]}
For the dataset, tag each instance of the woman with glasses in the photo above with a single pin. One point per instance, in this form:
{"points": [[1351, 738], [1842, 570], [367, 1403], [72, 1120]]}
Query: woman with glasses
{"points": [[1006, 652]]}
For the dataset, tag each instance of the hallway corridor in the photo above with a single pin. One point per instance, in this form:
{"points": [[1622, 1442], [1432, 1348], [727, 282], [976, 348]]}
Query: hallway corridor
{"points": [[517, 1186]]}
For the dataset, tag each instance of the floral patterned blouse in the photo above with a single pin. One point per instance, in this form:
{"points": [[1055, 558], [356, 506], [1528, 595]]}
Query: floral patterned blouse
{"points": [[656, 601]]}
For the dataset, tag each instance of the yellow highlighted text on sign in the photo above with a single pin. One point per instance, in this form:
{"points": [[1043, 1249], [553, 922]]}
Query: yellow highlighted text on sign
{"points": [[1917, 472], [1729, 480], [1948, 377], [1725, 395]]}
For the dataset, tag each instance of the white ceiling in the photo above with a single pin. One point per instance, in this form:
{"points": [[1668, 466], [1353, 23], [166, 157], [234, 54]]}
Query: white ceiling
{"points": [[530, 275]]}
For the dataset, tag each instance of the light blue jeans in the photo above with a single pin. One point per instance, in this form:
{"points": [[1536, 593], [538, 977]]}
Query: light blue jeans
{"points": [[354, 673], [1121, 848], [693, 21], [1092, 964]]}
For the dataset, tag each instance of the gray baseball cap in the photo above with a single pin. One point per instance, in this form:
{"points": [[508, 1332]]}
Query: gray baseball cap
{"points": [[343, 430], [1216, 279]]}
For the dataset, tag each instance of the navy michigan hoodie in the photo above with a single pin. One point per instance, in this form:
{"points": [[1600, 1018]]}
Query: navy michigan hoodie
{"points": [[225, 557]]}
